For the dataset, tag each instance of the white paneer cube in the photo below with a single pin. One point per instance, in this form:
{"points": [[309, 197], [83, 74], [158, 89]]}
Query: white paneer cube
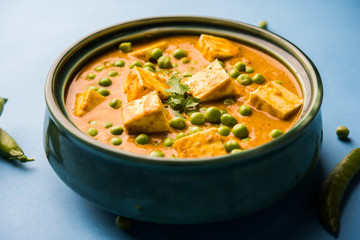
{"points": [[276, 100], [87, 101], [145, 115], [216, 48], [207, 143], [211, 83], [140, 82]]}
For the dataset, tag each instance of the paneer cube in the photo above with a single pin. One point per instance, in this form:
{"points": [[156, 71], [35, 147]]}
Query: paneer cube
{"points": [[211, 83], [145, 52], [140, 82], [87, 101], [145, 115], [276, 100], [207, 143], [216, 48]]}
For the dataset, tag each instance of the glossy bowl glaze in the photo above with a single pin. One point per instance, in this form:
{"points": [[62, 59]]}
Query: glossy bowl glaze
{"points": [[181, 191]]}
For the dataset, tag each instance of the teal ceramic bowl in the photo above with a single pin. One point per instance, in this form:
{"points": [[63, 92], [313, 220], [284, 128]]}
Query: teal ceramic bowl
{"points": [[177, 191]]}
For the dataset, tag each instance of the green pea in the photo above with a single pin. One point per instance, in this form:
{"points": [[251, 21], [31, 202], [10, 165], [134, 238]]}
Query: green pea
{"points": [[94, 88], [99, 68], [168, 142], [104, 92], [228, 120], [263, 24], [240, 131], [92, 132], [156, 53], [279, 82], [240, 66], [197, 118], [222, 64], [174, 73], [157, 153], [115, 103], [194, 129], [187, 74], [231, 144], [258, 78], [224, 131], [180, 135], [116, 130], [185, 60], [105, 82], [234, 73], [177, 123], [108, 124], [164, 62], [123, 223], [149, 69], [93, 122], [135, 63], [142, 139], [125, 47], [236, 151], [223, 111], [116, 141], [246, 139], [179, 53], [275, 133], [119, 63], [107, 64], [249, 69], [113, 73], [229, 101], [244, 79], [90, 76], [245, 110], [342, 132], [192, 111], [213, 115], [150, 65]]}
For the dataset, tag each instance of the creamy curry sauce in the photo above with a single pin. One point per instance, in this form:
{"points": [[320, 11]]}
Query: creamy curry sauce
{"points": [[259, 123]]}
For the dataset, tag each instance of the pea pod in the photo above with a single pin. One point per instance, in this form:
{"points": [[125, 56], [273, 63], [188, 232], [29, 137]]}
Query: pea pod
{"points": [[10, 149], [333, 189], [2, 103]]}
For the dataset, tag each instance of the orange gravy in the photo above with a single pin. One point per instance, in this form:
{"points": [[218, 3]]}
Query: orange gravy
{"points": [[259, 123]]}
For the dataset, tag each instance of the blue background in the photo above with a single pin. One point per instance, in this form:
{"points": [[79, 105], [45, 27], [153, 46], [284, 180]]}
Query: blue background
{"points": [[35, 204]]}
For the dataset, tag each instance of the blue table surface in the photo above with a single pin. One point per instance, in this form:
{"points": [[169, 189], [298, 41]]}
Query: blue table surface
{"points": [[36, 204]]}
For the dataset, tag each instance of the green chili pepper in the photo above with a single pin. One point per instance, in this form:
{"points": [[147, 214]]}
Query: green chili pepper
{"points": [[2, 103], [10, 149], [333, 189]]}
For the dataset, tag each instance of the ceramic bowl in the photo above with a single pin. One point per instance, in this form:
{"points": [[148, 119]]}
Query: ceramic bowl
{"points": [[178, 191]]}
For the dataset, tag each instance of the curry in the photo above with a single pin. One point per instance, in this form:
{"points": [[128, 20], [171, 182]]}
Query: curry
{"points": [[184, 97]]}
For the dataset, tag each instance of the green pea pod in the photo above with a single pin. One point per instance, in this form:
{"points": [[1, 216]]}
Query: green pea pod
{"points": [[333, 189], [10, 149], [2, 103]]}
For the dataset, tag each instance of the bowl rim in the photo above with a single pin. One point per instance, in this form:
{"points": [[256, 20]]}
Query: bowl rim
{"points": [[65, 125]]}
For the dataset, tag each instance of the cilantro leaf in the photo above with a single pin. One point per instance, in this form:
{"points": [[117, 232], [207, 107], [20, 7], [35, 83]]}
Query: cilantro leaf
{"points": [[176, 86], [179, 99]]}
